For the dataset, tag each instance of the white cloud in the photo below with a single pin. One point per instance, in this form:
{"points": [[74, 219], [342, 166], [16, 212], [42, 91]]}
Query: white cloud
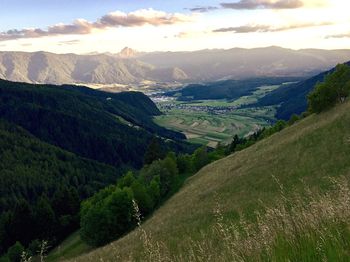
{"points": [[114, 19]]}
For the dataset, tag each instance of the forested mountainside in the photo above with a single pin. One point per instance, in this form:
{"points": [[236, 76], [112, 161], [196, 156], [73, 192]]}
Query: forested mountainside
{"points": [[111, 128], [61, 144], [41, 187], [292, 98], [228, 89]]}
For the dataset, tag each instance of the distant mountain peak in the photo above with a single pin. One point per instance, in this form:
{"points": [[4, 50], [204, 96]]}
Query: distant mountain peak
{"points": [[128, 52]]}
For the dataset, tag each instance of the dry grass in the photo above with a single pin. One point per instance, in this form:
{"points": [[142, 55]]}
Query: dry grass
{"points": [[307, 153]]}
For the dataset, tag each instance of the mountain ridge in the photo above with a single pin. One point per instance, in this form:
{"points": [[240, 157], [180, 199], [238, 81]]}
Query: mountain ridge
{"points": [[132, 67]]}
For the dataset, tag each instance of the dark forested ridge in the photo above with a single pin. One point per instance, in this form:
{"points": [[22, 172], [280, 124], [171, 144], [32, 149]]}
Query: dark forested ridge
{"points": [[61, 144], [293, 97], [228, 89], [110, 128], [41, 187]]}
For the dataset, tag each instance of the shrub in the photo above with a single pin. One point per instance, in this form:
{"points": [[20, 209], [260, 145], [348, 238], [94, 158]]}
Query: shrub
{"points": [[14, 253], [107, 216]]}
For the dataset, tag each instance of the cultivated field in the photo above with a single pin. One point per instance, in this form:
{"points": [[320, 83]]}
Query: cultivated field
{"points": [[210, 122]]}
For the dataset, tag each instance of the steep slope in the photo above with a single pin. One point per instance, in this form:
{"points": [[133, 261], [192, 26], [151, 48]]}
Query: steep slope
{"points": [[292, 98], [111, 128], [303, 155], [30, 169]]}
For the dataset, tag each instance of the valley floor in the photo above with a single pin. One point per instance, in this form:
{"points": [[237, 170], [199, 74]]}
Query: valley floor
{"points": [[210, 122]]}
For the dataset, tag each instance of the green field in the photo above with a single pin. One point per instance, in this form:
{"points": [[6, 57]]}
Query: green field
{"points": [[210, 122], [210, 129]]}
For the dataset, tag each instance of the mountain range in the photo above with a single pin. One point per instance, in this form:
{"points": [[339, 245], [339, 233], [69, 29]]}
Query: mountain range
{"points": [[49, 68], [132, 67]]}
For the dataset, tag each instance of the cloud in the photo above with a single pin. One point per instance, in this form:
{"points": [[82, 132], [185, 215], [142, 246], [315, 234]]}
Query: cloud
{"points": [[191, 34], [266, 28], [140, 18], [203, 9], [115, 19], [69, 42], [182, 35], [345, 35], [264, 4]]}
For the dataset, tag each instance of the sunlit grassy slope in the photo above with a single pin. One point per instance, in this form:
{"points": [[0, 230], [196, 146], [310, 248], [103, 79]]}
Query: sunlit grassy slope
{"points": [[305, 155]]}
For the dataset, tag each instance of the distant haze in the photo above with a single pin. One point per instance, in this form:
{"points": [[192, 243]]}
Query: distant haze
{"points": [[130, 66]]}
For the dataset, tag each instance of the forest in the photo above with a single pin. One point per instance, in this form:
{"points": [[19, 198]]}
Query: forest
{"points": [[61, 144]]}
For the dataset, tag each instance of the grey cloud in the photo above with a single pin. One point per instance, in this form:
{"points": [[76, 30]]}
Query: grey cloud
{"points": [[264, 4], [266, 28], [244, 29], [203, 9], [346, 35], [81, 26]]}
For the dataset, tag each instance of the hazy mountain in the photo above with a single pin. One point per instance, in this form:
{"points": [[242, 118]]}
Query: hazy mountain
{"points": [[43, 67], [238, 63], [130, 66], [127, 53]]}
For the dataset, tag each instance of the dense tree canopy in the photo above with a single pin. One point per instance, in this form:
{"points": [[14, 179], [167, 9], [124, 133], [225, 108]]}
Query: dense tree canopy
{"points": [[335, 89], [41, 187]]}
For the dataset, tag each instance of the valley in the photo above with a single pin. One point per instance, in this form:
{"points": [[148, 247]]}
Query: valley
{"points": [[278, 198], [175, 131], [214, 122]]}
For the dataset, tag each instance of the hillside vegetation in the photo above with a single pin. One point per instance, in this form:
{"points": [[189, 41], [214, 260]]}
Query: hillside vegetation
{"points": [[292, 98], [58, 146], [271, 201], [111, 128], [41, 187], [228, 89]]}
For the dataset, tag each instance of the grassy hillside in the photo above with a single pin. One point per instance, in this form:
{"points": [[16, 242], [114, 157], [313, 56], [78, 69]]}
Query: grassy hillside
{"points": [[225, 196]]}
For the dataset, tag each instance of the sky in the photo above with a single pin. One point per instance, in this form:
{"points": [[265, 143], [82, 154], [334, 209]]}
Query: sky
{"points": [[84, 26]]}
